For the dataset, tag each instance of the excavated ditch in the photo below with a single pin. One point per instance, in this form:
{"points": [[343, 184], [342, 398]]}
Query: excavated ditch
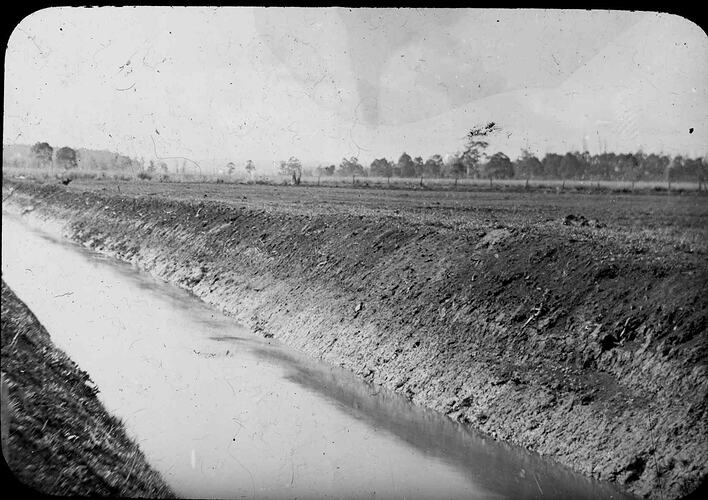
{"points": [[579, 343]]}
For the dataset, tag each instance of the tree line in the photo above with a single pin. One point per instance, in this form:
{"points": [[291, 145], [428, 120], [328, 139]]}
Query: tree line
{"points": [[43, 155], [569, 166], [474, 163], [470, 163]]}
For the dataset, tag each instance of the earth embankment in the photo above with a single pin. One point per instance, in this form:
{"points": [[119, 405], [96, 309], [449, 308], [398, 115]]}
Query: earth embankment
{"points": [[570, 336], [59, 438]]}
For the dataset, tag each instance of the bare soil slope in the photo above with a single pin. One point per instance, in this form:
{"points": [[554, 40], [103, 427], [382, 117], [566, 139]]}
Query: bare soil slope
{"points": [[578, 332]]}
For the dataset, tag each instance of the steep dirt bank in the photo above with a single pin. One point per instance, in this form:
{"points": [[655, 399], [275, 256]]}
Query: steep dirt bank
{"points": [[61, 441], [583, 343]]}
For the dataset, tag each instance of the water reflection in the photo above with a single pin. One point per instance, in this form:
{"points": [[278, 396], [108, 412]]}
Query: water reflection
{"points": [[496, 466]]}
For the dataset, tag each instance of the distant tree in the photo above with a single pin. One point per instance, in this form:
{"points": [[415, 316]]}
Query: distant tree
{"points": [[250, 169], [499, 166], [653, 166], [230, 168], [42, 154], [292, 168], [551, 166], [603, 167], [163, 167], [292, 164], [570, 167], [691, 170], [151, 167], [351, 166], [405, 165], [673, 169], [418, 166], [455, 166], [326, 171], [434, 166], [66, 158], [476, 144], [528, 166], [122, 162], [381, 168], [629, 167]]}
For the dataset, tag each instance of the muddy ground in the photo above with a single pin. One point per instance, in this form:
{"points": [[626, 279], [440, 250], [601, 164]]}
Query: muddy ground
{"points": [[60, 439], [571, 324]]}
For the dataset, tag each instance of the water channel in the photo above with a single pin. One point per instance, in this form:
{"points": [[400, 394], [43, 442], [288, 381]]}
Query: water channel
{"points": [[223, 413]]}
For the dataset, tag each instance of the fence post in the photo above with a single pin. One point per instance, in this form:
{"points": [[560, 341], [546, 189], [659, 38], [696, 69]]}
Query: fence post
{"points": [[526, 186], [353, 179], [421, 181]]}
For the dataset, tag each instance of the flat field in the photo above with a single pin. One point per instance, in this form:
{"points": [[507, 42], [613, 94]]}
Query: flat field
{"points": [[681, 218]]}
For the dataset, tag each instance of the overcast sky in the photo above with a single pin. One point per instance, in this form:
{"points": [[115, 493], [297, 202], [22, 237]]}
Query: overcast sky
{"points": [[324, 83]]}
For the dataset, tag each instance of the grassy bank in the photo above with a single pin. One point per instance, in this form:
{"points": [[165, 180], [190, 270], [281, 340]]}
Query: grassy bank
{"points": [[61, 440], [578, 338]]}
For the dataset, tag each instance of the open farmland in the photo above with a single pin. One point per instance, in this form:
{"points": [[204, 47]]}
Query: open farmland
{"points": [[679, 219]]}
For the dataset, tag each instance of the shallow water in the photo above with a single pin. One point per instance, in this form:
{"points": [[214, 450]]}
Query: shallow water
{"points": [[221, 412]]}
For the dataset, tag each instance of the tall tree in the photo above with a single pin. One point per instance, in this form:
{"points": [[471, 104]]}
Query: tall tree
{"points": [[381, 167], [351, 166], [476, 144], [42, 154], [570, 167], [418, 166], [528, 166], [66, 158], [290, 166], [551, 165], [250, 169], [455, 166], [433, 166], [293, 168], [499, 166], [406, 166]]}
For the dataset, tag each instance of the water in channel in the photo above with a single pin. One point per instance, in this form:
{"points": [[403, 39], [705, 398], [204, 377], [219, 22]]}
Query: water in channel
{"points": [[223, 413]]}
